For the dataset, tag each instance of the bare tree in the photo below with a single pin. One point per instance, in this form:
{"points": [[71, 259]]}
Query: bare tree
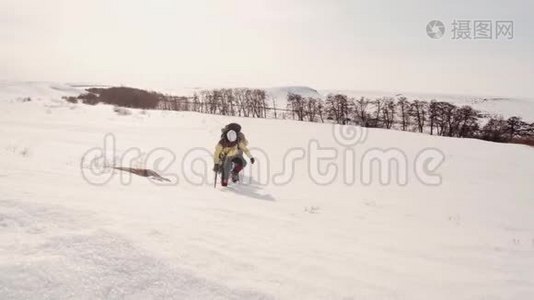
{"points": [[338, 108], [433, 115], [378, 111], [296, 103], [388, 112], [445, 118], [419, 112], [274, 108], [495, 130], [404, 112], [313, 109], [360, 111], [467, 120], [516, 127]]}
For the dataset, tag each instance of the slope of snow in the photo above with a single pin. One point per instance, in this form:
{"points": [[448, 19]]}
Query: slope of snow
{"points": [[471, 237]]}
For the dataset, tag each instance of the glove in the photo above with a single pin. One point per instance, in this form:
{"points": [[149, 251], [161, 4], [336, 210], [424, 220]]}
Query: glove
{"points": [[252, 160], [216, 168]]}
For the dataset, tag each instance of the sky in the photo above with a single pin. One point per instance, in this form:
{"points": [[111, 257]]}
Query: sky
{"points": [[327, 44]]}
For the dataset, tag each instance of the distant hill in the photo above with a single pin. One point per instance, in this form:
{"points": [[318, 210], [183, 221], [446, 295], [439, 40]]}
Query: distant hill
{"points": [[279, 94]]}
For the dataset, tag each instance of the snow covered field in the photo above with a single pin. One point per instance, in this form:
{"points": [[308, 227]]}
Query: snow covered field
{"points": [[281, 237]]}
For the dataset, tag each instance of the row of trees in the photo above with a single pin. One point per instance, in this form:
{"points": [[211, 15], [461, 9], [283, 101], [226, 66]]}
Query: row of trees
{"points": [[234, 102], [241, 102], [433, 117], [513, 129]]}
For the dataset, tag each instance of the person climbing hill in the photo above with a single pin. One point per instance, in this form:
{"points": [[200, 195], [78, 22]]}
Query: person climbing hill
{"points": [[228, 157]]}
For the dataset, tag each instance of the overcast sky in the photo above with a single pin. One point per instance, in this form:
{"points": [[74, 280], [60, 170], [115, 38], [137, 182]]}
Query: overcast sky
{"points": [[345, 44]]}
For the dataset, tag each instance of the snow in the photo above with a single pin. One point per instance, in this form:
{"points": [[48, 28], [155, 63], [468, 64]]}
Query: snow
{"points": [[470, 237], [15, 90]]}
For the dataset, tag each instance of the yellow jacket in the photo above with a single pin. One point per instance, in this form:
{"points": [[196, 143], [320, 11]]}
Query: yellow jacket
{"points": [[230, 149]]}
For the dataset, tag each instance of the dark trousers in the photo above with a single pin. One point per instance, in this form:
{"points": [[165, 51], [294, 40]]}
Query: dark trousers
{"points": [[232, 164]]}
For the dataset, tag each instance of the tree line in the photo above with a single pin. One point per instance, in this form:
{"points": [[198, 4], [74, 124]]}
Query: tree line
{"points": [[241, 102], [433, 117]]}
